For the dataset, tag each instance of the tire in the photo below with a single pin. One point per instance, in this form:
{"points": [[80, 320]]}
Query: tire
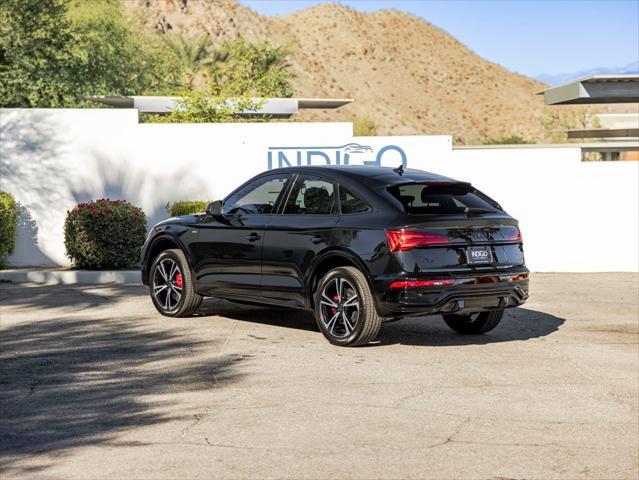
{"points": [[182, 301], [349, 318], [474, 324]]}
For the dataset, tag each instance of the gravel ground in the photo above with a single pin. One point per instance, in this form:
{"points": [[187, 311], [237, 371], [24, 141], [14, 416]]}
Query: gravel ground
{"points": [[96, 384]]}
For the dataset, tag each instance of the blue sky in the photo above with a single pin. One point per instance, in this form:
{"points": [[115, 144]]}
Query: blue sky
{"points": [[526, 36]]}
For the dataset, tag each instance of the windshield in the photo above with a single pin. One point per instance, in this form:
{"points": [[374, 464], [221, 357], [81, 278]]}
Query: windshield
{"points": [[422, 198]]}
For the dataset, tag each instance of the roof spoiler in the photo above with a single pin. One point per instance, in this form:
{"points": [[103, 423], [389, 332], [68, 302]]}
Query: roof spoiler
{"points": [[439, 183]]}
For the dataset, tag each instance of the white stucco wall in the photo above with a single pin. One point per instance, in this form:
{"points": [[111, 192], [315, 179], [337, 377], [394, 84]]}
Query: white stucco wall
{"points": [[575, 216]]}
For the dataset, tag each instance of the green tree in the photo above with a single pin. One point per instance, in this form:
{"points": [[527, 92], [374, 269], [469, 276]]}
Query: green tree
{"points": [[55, 52], [194, 57], [35, 54], [241, 75], [113, 58], [205, 107], [244, 69]]}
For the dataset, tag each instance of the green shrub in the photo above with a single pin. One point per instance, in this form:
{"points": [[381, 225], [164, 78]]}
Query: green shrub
{"points": [[104, 234], [8, 220], [364, 127], [509, 140], [186, 207]]}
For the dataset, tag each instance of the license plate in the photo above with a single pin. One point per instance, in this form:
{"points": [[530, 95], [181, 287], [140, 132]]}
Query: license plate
{"points": [[476, 255]]}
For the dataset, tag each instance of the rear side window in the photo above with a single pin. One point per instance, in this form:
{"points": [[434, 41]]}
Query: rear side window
{"points": [[351, 203], [311, 196], [419, 198]]}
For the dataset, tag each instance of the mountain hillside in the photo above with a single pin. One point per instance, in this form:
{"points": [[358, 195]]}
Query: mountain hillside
{"points": [[407, 75], [559, 79]]}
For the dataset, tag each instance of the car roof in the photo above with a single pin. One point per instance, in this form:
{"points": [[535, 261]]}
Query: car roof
{"points": [[369, 174]]}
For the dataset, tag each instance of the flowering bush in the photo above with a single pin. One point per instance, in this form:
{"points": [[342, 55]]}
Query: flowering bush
{"points": [[104, 234]]}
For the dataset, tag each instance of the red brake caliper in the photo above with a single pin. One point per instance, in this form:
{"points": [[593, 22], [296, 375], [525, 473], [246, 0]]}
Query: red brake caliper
{"points": [[178, 280], [335, 298]]}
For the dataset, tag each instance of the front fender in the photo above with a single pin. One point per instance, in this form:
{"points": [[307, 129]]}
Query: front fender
{"points": [[165, 237]]}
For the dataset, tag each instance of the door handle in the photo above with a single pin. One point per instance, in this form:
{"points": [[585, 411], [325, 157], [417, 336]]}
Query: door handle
{"points": [[253, 237], [318, 239]]}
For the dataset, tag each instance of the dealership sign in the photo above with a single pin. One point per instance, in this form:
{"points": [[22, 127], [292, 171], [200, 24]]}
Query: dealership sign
{"points": [[346, 154]]}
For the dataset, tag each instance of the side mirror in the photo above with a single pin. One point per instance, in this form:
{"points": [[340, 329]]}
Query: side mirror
{"points": [[214, 208]]}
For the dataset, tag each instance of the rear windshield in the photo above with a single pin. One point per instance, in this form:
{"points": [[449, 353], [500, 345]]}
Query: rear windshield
{"points": [[420, 198]]}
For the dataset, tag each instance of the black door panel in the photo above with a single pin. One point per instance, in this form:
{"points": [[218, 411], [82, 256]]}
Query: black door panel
{"points": [[294, 238], [229, 254], [290, 245], [229, 247]]}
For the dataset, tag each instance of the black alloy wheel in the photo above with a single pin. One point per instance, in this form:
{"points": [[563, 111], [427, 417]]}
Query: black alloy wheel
{"points": [[475, 323], [344, 308], [171, 285]]}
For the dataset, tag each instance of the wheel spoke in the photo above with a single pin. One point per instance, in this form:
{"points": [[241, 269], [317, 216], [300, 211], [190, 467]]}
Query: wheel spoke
{"points": [[162, 271], [330, 325], [159, 288], [177, 294], [174, 269], [352, 302], [327, 301], [338, 284], [347, 324], [341, 289], [167, 300]]}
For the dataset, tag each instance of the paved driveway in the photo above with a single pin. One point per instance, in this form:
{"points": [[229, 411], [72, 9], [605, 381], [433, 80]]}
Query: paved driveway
{"points": [[95, 384]]}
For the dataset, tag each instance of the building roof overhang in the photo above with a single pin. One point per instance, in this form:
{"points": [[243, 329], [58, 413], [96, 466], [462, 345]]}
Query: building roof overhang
{"points": [[595, 89], [604, 133], [617, 145], [273, 107]]}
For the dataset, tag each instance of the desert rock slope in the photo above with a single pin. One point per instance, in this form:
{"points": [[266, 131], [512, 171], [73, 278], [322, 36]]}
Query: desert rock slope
{"points": [[407, 75]]}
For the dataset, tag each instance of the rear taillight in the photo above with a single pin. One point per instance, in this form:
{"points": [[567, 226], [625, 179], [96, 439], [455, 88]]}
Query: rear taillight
{"points": [[441, 282], [515, 235], [402, 240], [517, 278]]}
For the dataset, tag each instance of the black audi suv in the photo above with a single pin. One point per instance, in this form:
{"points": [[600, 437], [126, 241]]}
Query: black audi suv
{"points": [[357, 245]]}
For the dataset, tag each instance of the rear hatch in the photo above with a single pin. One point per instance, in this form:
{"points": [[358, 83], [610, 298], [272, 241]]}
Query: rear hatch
{"points": [[453, 227]]}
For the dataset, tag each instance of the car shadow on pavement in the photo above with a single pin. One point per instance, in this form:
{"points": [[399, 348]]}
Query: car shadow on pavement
{"points": [[517, 324], [75, 382], [278, 317]]}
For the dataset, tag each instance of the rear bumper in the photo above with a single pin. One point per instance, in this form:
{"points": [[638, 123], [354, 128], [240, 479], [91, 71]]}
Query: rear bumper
{"points": [[468, 293]]}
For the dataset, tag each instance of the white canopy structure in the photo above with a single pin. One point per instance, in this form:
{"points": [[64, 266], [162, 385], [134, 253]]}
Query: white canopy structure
{"points": [[273, 107]]}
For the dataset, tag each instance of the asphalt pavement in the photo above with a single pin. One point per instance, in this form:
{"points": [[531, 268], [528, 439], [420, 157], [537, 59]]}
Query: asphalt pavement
{"points": [[95, 384]]}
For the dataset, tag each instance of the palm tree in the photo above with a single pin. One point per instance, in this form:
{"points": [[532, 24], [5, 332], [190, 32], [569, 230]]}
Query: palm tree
{"points": [[194, 54], [243, 68]]}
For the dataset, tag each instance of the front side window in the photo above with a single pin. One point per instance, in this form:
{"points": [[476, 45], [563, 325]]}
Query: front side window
{"points": [[351, 203], [311, 196], [419, 198], [258, 197]]}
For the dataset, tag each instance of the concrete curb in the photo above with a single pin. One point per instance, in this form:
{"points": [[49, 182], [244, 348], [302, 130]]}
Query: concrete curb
{"points": [[70, 277]]}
